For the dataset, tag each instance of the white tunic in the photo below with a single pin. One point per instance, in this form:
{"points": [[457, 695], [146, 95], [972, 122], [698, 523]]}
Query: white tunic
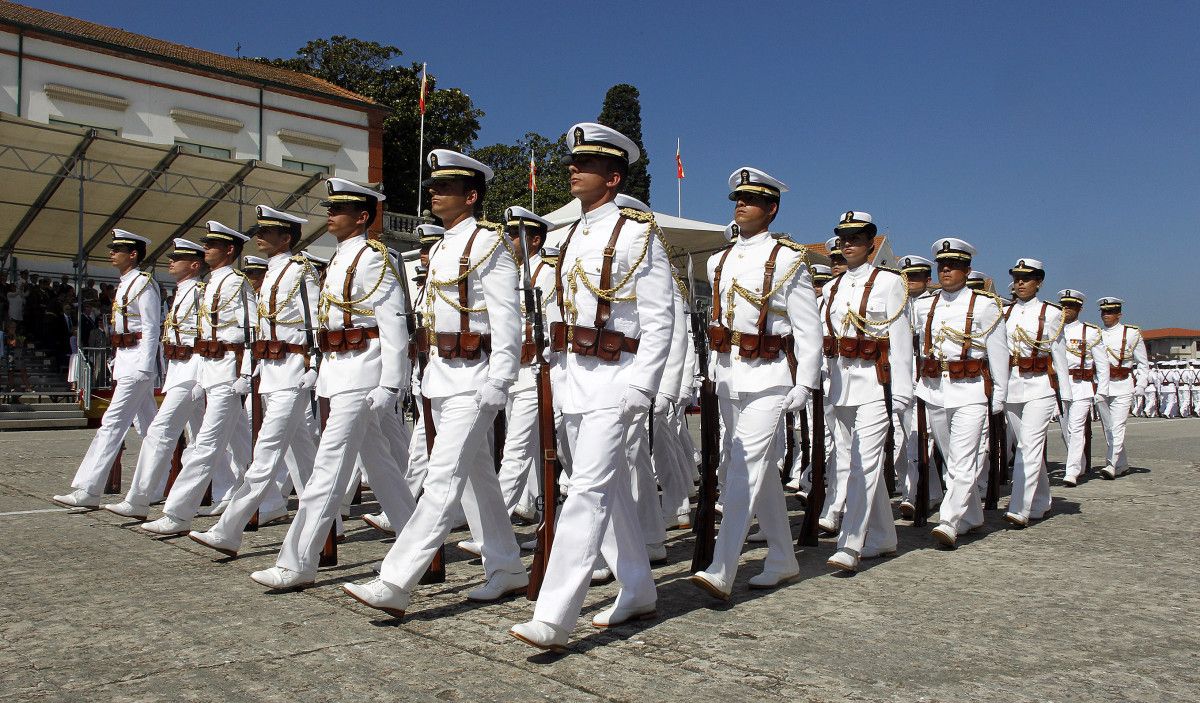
{"points": [[1086, 350], [180, 328], [279, 302], [137, 307], [1126, 349], [1029, 333], [229, 296], [987, 340]]}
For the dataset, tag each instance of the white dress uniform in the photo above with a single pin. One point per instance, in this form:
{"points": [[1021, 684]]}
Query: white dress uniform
{"points": [[1195, 383], [134, 328], [866, 318], [907, 457], [669, 457], [1126, 351], [283, 364], [753, 383], [1035, 338], [958, 351], [364, 368], [1151, 379], [1168, 391], [228, 297], [1087, 361], [180, 407], [486, 325]]}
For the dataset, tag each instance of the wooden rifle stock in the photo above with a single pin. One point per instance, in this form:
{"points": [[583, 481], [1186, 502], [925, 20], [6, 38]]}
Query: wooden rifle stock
{"points": [[176, 462], [996, 458], [921, 509], [889, 443], [805, 440], [113, 485], [705, 527], [548, 500], [816, 495], [256, 421], [1087, 442], [789, 452]]}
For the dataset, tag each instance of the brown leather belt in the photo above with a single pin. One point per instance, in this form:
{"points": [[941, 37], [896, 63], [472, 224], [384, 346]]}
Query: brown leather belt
{"points": [[604, 344], [865, 348], [1118, 373], [346, 339], [1031, 364], [528, 352], [125, 340], [963, 368], [214, 349], [462, 345], [750, 345], [177, 352], [274, 350], [1082, 374]]}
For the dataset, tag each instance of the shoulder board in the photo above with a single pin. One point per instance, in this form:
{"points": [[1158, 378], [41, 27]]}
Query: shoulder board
{"points": [[1133, 327], [889, 269], [378, 246], [298, 258], [927, 294], [994, 297], [488, 225], [144, 274], [792, 244], [1053, 305], [1088, 324], [638, 215]]}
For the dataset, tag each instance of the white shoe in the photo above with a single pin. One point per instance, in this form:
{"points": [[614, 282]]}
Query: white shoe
{"points": [[907, 510], [525, 512], [843, 561], [380, 522], [829, 526], [280, 578], [379, 594], [657, 553], [719, 508], [1016, 520], [499, 585], [345, 513], [530, 545], [167, 525], [470, 546], [617, 615], [793, 485], [214, 510], [601, 575], [711, 585], [78, 498], [946, 536], [542, 635], [877, 552], [771, 579], [208, 539], [127, 509], [756, 536], [1070, 482], [277, 515], [679, 522]]}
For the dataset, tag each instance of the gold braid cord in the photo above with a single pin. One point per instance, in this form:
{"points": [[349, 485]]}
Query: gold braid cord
{"points": [[863, 323], [577, 274], [1022, 336], [172, 320], [328, 299], [960, 337], [264, 314], [756, 300], [124, 309], [436, 286], [1073, 345], [207, 312]]}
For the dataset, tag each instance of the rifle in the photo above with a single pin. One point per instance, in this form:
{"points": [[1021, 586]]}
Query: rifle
{"points": [[921, 509], [436, 573], [705, 527], [547, 442], [889, 440], [998, 446], [805, 441], [789, 448], [256, 411], [816, 494]]}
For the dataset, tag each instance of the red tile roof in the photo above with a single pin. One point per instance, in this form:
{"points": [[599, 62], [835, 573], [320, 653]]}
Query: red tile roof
{"points": [[1165, 332], [820, 248], [206, 61]]}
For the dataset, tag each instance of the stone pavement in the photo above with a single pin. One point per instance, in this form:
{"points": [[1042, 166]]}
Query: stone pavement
{"points": [[1097, 602]]}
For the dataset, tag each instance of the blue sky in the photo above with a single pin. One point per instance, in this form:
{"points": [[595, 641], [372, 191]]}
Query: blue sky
{"points": [[1061, 131]]}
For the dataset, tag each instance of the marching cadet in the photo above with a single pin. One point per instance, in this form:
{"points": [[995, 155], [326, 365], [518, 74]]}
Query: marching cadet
{"points": [[837, 260], [963, 368], [802, 483], [611, 346], [1194, 367], [1087, 366], [1153, 380], [918, 271], [1138, 408], [1126, 350], [255, 267], [765, 338], [179, 406], [364, 369], [1038, 385], [1168, 390], [521, 440], [1187, 379], [221, 341], [472, 326], [134, 328], [868, 347], [286, 376]]}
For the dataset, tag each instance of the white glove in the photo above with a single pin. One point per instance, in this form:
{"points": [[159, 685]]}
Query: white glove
{"points": [[662, 404], [309, 379], [382, 398], [242, 385], [493, 395], [635, 402], [997, 406], [796, 399], [1055, 413], [416, 387], [197, 393]]}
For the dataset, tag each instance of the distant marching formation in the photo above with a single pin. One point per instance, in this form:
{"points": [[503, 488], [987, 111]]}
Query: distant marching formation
{"points": [[546, 362]]}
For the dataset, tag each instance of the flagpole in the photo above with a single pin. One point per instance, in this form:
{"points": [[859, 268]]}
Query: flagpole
{"points": [[678, 182], [421, 140]]}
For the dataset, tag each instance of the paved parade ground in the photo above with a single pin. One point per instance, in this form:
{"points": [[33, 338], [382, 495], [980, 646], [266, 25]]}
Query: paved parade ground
{"points": [[1097, 602]]}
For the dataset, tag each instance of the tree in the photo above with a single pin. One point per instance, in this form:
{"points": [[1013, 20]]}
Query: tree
{"points": [[366, 67], [510, 186], [623, 112]]}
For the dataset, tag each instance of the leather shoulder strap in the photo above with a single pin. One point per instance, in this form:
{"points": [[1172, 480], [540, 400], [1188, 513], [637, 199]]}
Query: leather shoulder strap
{"points": [[768, 283], [604, 306], [348, 286], [966, 345], [1041, 328], [929, 324], [829, 304], [562, 257], [716, 286], [273, 304], [866, 296], [464, 265]]}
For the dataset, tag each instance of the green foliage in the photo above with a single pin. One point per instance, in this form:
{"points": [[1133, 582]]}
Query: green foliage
{"points": [[510, 186], [623, 112], [367, 68]]}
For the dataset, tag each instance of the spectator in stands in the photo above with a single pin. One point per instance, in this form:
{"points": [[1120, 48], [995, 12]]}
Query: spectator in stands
{"points": [[14, 358]]}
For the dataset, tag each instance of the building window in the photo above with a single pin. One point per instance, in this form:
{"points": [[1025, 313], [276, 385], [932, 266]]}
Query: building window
{"points": [[306, 167], [79, 125], [205, 150]]}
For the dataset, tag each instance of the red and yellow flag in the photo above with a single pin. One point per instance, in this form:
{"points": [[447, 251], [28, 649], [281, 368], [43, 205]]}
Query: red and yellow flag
{"points": [[424, 83]]}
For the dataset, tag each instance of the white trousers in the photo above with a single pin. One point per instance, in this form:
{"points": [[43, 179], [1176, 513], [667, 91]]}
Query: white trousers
{"points": [[670, 463], [1114, 413], [957, 432], [399, 438], [283, 428], [1151, 401], [690, 452], [754, 422], [642, 483], [837, 463], [132, 403], [907, 458], [868, 521], [1185, 402], [460, 467], [1030, 497], [352, 429], [598, 518], [224, 427], [178, 411], [1079, 414], [1168, 404], [521, 442]]}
